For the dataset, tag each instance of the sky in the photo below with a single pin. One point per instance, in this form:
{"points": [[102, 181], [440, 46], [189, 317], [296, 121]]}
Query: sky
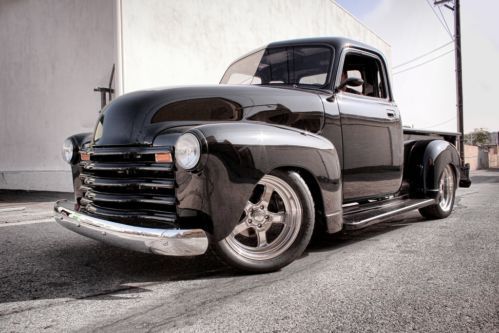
{"points": [[426, 93]]}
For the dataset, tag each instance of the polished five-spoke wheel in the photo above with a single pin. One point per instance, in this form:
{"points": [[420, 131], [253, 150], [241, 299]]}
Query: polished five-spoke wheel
{"points": [[447, 190], [275, 226], [270, 223], [445, 197]]}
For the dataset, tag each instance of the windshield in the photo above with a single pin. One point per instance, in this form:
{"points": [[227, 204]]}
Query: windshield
{"points": [[298, 65]]}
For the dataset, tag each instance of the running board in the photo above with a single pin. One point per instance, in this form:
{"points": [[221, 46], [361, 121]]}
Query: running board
{"points": [[362, 218]]}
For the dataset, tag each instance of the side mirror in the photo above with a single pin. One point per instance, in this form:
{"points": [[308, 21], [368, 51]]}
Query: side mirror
{"points": [[352, 82]]}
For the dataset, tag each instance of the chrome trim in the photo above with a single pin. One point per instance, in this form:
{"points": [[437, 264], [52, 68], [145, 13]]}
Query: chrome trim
{"points": [[124, 166], [169, 242], [130, 215], [122, 151], [139, 183], [129, 198], [416, 204]]}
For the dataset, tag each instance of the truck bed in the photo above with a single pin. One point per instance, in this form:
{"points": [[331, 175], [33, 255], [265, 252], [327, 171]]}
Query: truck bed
{"points": [[419, 134]]}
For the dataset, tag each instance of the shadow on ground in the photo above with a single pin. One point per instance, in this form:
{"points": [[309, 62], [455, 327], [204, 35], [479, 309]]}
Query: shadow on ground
{"points": [[485, 176], [45, 261], [14, 196], [49, 262]]}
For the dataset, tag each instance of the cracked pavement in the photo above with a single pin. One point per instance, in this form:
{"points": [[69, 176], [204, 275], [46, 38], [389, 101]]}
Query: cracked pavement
{"points": [[405, 274]]}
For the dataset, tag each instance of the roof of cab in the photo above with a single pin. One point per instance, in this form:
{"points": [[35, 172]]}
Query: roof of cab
{"points": [[336, 42]]}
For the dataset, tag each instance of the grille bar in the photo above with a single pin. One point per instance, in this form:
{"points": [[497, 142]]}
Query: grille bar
{"points": [[123, 151], [126, 198], [127, 183], [128, 168], [132, 216]]}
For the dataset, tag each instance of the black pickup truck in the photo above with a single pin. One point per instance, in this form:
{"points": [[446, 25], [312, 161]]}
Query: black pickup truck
{"points": [[300, 136]]}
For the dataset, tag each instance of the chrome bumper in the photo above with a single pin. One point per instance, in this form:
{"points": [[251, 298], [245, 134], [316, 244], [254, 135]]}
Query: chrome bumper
{"points": [[168, 242]]}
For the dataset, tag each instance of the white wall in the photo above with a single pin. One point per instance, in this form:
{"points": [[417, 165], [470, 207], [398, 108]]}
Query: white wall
{"points": [[170, 42], [52, 54]]}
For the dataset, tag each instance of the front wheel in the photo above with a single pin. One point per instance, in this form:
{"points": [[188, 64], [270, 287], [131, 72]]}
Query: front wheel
{"points": [[275, 227], [445, 198]]}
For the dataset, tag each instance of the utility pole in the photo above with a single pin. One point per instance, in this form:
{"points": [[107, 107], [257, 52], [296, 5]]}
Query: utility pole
{"points": [[459, 75], [459, 69]]}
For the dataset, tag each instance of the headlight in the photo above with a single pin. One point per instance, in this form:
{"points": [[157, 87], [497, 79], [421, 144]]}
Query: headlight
{"points": [[68, 150], [187, 151]]}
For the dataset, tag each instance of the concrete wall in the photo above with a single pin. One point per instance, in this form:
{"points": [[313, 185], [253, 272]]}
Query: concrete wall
{"points": [[170, 42], [53, 53], [493, 156], [481, 157], [471, 156]]}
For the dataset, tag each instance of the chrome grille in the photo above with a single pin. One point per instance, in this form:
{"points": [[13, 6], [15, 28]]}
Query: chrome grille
{"points": [[125, 184]]}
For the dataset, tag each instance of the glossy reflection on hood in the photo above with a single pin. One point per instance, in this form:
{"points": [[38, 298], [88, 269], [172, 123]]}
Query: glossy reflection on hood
{"points": [[137, 118]]}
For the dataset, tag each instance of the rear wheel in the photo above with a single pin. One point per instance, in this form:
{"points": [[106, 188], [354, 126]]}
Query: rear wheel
{"points": [[445, 198], [275, 227]]}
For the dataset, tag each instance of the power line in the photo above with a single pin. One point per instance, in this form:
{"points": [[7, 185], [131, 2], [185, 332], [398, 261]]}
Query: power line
{"points": [[422, 55], [445, 22], [442, 123], [438, 18], [424, 63]]}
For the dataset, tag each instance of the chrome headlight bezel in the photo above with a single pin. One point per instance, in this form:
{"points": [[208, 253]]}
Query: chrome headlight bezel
{"points": [[69, 151], [187, 151]]}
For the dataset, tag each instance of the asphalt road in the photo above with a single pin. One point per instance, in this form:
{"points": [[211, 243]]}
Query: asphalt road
{"points": [[406, 274]]}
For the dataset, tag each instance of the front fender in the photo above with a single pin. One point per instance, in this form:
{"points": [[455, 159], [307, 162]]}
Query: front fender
{"points": [[79, 140], [236, 156]]}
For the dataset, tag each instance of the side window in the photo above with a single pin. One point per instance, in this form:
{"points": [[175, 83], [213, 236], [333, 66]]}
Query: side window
{"points": [[367, 68]]}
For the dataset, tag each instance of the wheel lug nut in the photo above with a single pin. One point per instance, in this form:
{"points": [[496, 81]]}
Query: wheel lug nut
{"points": [[262, 207], [267, 217], [259, 226], [249, 220]]}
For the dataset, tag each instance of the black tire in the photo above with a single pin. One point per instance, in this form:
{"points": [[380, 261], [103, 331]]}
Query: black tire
{"points": [[270, 255], [445, 198]]}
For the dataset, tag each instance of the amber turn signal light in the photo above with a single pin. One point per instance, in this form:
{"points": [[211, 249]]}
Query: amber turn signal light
{"points": [[84, 156], [163, 157]]}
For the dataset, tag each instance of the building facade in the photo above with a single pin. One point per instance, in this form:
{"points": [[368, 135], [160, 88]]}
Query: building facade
{"points": [[54, 53]]}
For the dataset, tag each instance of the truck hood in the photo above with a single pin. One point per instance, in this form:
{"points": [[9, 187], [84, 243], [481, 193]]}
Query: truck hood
{"points": [[137, 118]]}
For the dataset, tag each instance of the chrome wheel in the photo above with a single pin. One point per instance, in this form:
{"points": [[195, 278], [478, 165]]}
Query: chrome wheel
{"points": [[444, 201], [446, 189], [270, 222]]}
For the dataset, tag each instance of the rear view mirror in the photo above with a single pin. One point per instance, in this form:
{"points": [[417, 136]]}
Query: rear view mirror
{"points": [[352, 82]]}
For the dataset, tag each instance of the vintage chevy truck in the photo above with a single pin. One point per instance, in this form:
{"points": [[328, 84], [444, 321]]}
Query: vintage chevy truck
{"points": [[300, 136]]}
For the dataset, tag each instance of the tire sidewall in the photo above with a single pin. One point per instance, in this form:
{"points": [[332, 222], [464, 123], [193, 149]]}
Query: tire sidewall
{"points": [[296, 182], [435, 211], [441, 212]]}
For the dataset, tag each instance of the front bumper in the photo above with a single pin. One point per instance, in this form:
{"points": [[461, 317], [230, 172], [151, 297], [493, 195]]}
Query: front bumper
{"points": [[168, 242]]}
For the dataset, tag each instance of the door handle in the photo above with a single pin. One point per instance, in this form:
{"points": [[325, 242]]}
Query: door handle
{"points": [[390, 113]]}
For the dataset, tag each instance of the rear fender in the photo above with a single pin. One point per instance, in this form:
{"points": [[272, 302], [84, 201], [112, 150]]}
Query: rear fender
{"points": [[427, 159]]}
